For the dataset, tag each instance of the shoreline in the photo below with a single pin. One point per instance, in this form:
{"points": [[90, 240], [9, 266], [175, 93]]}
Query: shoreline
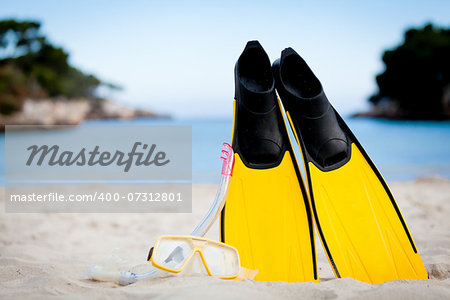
{"points": [[56, 112], [398, 115]]}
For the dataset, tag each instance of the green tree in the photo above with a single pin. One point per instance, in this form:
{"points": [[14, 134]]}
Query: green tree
{"points": [[19, 38], [417, 73], [30, 66], [13, 89]]}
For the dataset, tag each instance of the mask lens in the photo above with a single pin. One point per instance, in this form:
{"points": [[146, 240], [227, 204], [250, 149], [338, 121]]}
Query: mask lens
{"points": [[222, 261], [172, 253]]}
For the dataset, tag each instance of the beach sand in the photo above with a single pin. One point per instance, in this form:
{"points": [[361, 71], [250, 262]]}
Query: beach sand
{"points": [[46, 256]]}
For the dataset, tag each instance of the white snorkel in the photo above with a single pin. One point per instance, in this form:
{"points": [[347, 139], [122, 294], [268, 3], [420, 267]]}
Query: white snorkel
{"points": [[109, 271], [227, 156]]}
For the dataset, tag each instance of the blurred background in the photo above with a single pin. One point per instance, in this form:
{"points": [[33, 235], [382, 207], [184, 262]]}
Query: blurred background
{"points": [[385, 66]]}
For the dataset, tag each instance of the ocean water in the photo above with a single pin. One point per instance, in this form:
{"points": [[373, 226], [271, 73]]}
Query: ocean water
{"points": [[402, 150]]}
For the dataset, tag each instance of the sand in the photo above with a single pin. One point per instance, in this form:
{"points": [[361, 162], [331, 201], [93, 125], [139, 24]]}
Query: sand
{"points": [[46, 256]]}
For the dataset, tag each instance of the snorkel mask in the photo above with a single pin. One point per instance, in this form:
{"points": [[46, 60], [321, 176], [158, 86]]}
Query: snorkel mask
{"points": [[175, 253]]}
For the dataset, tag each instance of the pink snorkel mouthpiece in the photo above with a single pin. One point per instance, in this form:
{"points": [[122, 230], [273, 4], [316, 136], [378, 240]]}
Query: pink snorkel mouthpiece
{"points": [[227, 155]]}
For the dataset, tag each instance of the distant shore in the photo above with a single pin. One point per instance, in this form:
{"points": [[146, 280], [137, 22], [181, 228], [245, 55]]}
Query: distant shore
{"points": [[71, 112], [388, 110], [401, 116]]}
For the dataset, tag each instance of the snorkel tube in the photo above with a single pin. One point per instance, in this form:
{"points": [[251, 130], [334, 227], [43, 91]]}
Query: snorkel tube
{"points": [[110, 272], [227, 156]]}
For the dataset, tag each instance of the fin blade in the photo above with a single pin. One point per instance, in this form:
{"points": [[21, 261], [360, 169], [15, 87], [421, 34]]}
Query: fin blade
{"points": [[361, 226], [266, 220]]}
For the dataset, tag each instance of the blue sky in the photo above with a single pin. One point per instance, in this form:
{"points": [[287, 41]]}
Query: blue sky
{"points": [[178, 57]]}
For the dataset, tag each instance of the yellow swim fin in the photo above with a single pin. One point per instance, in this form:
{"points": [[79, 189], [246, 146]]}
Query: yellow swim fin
{"points": [[267, 215], [360, 225]]}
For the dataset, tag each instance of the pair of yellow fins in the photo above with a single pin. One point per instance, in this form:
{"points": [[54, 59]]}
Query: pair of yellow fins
{"points": [[270, 212]]}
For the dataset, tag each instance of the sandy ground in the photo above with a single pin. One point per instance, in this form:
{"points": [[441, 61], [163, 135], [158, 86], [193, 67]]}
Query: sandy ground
{"points": [[47, 255]]}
